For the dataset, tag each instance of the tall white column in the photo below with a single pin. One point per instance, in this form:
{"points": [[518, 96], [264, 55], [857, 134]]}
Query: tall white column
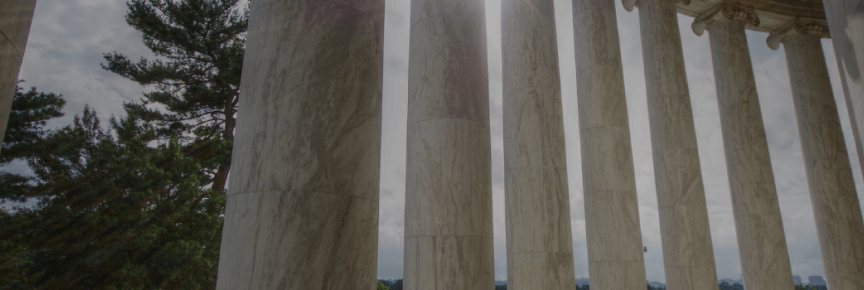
{"points": [[761, 240], [829, 173], [688, 254], [302, 208], [846, 21], [615, 258], [448, 195], [539, 243], [15, 19]]}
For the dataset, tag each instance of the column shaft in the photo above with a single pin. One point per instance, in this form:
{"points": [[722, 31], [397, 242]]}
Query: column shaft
{"points": [[448, 196], [15, 19], [761, 240], [302, 209], [846, 22], [829, 174], [539, 243], [688, 254], [611, 209]]}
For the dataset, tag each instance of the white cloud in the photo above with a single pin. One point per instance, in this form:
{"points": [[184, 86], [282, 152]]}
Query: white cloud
{"points": [[64, 50]]}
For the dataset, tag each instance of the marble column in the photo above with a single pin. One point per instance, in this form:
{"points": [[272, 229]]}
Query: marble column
{"points": [[448, 195], [302, 209], [614, 239], [846, 21], [15, 19], [688, 254], [539, 242], [761, 239], [829, 173]]}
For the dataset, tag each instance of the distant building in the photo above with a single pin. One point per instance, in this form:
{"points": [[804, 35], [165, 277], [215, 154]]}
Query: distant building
{"points": [[796, 280], [817, 280], [499, 283], [657, 285]]}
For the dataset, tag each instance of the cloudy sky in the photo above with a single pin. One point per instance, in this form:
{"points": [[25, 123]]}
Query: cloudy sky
{"points": [[68, 38]]}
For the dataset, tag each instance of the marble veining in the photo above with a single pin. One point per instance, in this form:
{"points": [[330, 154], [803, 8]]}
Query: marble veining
{"points": [[304, 178], [447, 66], [448, 188], [549, 271], [832, 188], [761, 239], [305, 129], [538, 211], [534, 128], [614, 239], [448, 262], [688, 255], [537, 203], [448, 161], [267, 232], [371, 8]]}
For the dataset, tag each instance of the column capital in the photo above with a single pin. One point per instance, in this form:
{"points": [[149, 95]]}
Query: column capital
{"points": [[724, 11], [814, 28], [629, 4]]}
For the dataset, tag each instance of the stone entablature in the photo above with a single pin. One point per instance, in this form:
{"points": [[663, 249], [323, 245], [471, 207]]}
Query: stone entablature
{"points": [[771, 14], [725, 12]]}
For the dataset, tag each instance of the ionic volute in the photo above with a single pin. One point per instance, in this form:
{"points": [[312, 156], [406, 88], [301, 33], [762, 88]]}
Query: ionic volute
{"points": [[724, 12]]}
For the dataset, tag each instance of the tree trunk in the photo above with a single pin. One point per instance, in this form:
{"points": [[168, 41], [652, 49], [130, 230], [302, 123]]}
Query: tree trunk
{"points": [[228, 134]]}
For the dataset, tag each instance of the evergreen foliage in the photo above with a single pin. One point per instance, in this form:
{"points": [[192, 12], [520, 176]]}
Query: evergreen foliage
{"points": [[25, 133], [381, 286], [727, 286], [200, 46], [137, 203], [121, 214], [27, 119], [393, 285]]}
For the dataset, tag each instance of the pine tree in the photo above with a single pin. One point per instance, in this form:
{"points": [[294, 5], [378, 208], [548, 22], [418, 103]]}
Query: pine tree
{"points": [[25, 132], [27, 119], [200, 46], [138, 204], [123, 213]]}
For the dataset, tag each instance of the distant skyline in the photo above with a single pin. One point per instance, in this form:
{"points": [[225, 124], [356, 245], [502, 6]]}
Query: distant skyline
{"points": [[68, 38]]}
